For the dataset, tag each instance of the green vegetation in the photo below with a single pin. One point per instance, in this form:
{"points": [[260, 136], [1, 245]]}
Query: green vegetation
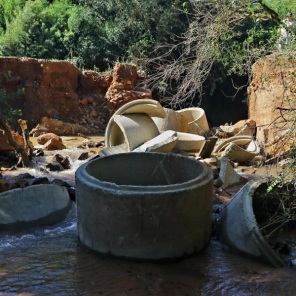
{"points": [[92, 34], [224, 38], [185, 46], [96, 34], [282, 6]]}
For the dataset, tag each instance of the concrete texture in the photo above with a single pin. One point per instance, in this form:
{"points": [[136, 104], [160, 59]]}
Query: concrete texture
{"points": [[238, 229], [142, 106], [208, 147], [238, 140], [228, 175], [165, 142], [122, 148], [172, 121], [37, 205], [132, 129], [144, 205], [189, 142], [197, 120], [239, 154]]}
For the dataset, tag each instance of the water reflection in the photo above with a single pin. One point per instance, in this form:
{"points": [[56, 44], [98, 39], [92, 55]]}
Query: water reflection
{"points": [[49, 261]]}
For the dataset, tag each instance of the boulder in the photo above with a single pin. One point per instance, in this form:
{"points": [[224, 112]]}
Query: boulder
{"points": [[54, 144], [42, 139], [62, 160], [123, 88], [39, 205]]}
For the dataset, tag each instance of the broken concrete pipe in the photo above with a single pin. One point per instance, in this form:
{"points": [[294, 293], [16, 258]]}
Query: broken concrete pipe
{"points": [[132, 129], [144, 205], [237, 226], [128, 123], [197, 120]]}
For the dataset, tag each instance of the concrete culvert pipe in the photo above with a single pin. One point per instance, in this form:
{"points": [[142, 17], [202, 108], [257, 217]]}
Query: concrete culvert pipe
{"points": [[144, 205]]}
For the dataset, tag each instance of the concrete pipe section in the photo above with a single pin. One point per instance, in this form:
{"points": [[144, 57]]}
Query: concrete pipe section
{"points": [[172, 121], [144, 205], [136, 115], [132, 129], [197, 120], [237, 226]]}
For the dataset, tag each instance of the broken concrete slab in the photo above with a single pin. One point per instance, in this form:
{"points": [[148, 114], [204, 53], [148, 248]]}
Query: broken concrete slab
{"points": [[165, 142], [189, 142], [228, 175], [122, 148], [246, 131], [238, 140], [208, 147], [239, 154], [242, 127], [38, 205]]}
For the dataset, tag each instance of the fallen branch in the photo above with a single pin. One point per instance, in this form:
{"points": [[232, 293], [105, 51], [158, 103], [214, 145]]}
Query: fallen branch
{"points": [[24, 157]]}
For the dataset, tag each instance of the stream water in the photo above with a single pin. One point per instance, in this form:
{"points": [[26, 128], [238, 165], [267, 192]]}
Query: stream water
{"points": [[49, 261]]}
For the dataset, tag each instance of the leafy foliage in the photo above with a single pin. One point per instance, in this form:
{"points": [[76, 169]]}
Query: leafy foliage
{"points": [[282, 6], [226, 37], [92, 34]]}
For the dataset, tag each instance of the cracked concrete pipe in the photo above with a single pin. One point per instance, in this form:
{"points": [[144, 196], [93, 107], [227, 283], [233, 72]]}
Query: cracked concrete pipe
{"points": [[144, 205], [142, 106], [114, 135], [172, 121], [197, 120], [132, 129], [237, 226]]}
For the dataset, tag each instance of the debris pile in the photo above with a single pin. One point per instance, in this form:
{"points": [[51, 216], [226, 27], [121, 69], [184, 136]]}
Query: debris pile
{"points": [[143, 125]]}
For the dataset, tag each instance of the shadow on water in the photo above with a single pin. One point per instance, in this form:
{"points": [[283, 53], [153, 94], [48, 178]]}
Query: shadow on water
{"points": [[49, 261]]}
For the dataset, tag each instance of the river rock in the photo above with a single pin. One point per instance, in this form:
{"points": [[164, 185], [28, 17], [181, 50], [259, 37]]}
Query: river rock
{"points": [[55, 166], [40, 205], [40, 180], [62, 160], [53, 144], [44, 138], [6, 185]]}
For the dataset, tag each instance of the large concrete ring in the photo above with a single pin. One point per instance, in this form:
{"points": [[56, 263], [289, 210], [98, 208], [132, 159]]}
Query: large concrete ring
{"points": [[144, 205]]}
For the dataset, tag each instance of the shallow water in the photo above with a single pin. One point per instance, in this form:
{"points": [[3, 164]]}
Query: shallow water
{"points": [[49, 261]]}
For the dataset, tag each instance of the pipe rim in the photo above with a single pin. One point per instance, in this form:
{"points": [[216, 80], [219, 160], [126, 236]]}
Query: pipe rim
{"points": [[199, 180]]}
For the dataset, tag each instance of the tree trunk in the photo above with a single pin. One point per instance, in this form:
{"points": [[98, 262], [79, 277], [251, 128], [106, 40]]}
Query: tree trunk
{"points": [[18, 148]]}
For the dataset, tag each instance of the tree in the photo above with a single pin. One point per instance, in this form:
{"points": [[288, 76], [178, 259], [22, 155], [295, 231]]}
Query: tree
{"points": [[92, 34], [37, 30], [226, 36]]}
